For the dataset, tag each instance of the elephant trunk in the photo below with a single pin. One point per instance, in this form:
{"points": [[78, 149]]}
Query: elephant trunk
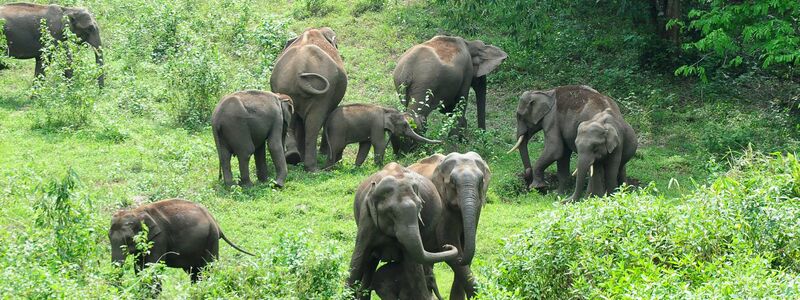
{"points": [[409, 237], [420, 138], [470, 213], [117, 255], [584, 166], [98, 58]]}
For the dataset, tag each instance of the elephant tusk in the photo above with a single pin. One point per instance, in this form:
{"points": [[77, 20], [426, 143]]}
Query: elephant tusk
{"points": [[591, 170], [419, 216], [575, 172], [519, 142]]}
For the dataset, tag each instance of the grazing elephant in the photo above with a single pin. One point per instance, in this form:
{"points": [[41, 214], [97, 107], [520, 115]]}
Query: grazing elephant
{"points": [[23, 35], [558, 112], [242, 122], [462, 181], [605, 144], [310, 71], [183, 233], [441, 71], [400, 280], [365, 124], [396, 211]]}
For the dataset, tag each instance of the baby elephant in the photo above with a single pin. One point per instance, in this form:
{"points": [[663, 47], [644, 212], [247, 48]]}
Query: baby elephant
{"points": [[365, 124], [241, 124], [402, 280], [183, 233], [605, 143]]}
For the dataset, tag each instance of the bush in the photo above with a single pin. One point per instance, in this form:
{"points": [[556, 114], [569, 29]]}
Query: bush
{"points": [[311, 8], [365, 6], [196, 81], [734, 238], [60, 102]]}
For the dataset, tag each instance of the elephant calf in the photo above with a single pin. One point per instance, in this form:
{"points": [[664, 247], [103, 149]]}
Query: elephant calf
{"points": [[399, 280], [365, 124], [605, 143], [183, 233], [241, 124]]}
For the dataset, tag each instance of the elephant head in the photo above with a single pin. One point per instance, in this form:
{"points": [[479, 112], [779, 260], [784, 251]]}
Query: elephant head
{"points": [[597, 139], [397, 123], [126, 224], [462, 181], [394, 205], [83, 24]]}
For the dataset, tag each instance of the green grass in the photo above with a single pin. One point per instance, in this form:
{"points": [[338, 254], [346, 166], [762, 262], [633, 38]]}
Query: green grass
{"points": [[135, 147]]}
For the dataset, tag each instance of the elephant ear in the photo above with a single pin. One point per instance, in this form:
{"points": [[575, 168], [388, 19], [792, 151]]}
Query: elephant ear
{"points": [[289, 42], [377, 192], [441, 177], [485, 58], [153, 229], [391, 118], [329, 35], [540, 105], [612, 137]]}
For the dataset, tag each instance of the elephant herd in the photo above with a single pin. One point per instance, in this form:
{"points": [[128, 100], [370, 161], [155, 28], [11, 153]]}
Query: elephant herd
{"points": [[409, 217]]}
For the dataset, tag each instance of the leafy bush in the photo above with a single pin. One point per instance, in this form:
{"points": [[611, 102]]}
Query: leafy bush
{"points": [[61, 102], [735, 238], [311, 8], [196, 81], [365, 6]]}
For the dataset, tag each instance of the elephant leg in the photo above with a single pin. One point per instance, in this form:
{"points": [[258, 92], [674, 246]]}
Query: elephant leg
{"points": [[597, 186], [360, 262], [430, 281], [68, 70], [225, 164], [366, 279], [563, 170], [312, 128], [612, 175], [294, 141], [244, 168], [622, 176], [553, 150], [363, 150], [463, 282], [39, 71], [261, 163], [278, 157]]}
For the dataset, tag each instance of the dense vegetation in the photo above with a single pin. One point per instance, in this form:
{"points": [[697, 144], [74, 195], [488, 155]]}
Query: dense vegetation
{"points": [[711, 218]]}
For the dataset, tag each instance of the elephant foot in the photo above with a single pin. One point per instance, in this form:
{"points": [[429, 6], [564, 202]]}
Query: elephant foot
{"points": [[293, 157], [246, 184], [279, 183], [312, 169], [538, 185]]}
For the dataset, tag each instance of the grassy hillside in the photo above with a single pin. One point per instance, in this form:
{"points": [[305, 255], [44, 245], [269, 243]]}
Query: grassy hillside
{"points": [[145, 136]]}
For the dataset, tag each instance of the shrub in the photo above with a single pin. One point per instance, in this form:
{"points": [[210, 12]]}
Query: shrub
{"points": [[311, 8], [196, 82], [60, 102], [733, 238], [365, 6]]}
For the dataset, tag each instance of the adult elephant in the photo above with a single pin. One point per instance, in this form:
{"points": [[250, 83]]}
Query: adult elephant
{"points": [[461, 181], [557, 112], [396, 211], [441, 71], [22, 30], [311, 72], [607, 142]]}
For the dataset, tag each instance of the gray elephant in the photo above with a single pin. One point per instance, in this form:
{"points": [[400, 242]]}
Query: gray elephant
{"points": [[396, 280], [310, 71], [557, 112], [22, 22], [183, 234], [365, 124], [605, 143], [462, 181], [396, 212], [441, 71], [246, 123]]}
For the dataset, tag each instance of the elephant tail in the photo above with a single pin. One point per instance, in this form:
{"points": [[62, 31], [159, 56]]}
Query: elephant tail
{"points": [[234, 245], [310, 81]]}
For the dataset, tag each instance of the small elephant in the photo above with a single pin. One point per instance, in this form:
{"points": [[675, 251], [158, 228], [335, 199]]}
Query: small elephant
{"points": [[24, 37], [462, 181], [183, 233], [311, 72], [241, 124], [605, 144], [558, 112], [441, 71], [400, 280], [396, 212], [365, 124]]}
